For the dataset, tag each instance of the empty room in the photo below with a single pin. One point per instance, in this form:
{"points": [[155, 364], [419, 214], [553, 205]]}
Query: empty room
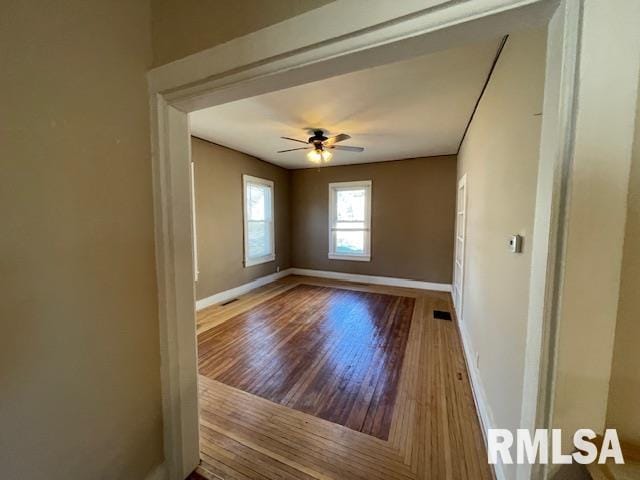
{"points": [[333, 223]]}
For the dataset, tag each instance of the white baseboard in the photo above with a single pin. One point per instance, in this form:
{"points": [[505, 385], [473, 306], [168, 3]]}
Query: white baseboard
{"points": [[241, 290], [482, 405], [158, 473], [373, 279], [347, 277]]}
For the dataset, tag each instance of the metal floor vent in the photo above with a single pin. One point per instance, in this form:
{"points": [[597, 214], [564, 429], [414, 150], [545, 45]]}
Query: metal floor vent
{"points": [[228, 302], [441, 315]]}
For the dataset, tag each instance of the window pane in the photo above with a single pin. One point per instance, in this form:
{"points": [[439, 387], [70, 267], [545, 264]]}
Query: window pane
{"points": [[349, 242], [350, 205], [258, 202], [259, 239]]}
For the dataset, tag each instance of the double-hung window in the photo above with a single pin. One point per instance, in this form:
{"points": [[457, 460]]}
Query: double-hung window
{"points": [[259, 244], [350, 220]]}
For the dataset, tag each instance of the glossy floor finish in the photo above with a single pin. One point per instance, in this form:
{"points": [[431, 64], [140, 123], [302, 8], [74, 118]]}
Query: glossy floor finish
{"points": [[333, 353], [433, 432]]}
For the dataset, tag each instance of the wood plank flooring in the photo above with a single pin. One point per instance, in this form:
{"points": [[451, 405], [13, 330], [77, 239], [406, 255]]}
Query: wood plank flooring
{"points": [[433, 432], [330, 352]]}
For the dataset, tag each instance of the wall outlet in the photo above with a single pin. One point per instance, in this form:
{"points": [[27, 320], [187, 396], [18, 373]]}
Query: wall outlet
{"points": [[277, 268]]}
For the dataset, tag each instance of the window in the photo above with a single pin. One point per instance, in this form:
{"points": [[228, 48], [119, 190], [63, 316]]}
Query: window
{"points": [[350, 221], [258, 221]]}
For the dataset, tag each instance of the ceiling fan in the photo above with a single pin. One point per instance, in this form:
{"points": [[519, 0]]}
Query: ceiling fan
{"points": [[320, 145]]}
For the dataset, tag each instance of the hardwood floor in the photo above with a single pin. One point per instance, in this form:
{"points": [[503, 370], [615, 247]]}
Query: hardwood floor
{"points": [[432, 431], [332, 353]]}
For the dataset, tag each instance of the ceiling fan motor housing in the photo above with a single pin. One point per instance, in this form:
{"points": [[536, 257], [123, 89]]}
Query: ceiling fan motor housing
{"points": [[317, 139]]}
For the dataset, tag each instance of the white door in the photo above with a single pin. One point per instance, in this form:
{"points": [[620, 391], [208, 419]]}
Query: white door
{"points": [[458, 271]]}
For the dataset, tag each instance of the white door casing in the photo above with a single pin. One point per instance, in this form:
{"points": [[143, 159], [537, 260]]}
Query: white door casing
{"points": [[459, 250], [290, 53]]}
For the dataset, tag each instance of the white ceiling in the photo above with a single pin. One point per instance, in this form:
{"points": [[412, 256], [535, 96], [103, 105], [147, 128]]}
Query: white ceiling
{"points": [[415, 108]]}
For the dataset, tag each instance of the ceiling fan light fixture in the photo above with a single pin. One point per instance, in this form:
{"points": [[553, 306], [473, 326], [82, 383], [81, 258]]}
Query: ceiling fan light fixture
{"points": [[319, 155], [319, 146], [315, 156]]}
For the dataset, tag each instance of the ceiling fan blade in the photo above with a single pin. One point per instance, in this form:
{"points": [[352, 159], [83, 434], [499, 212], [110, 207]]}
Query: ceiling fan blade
{"points": [[292, 149], [348, 149], [295, 140], [338, 138]]}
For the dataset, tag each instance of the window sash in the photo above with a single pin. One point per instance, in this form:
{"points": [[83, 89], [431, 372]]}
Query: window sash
{"points": [[351, 226], [267, 225], [252, 257]]}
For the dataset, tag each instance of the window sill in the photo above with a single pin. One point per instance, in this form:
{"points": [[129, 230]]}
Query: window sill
{"points": [[258, 261], [355, 258]]}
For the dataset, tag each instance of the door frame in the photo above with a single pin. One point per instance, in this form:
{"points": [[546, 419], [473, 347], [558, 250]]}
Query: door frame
{"points": [[290, 53], [462, 225]]}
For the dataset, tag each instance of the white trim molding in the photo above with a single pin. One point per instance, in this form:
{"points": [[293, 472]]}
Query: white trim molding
{"points": [[334, 189], [373, 279], [550, 221], [240, 290], [351, 258], [460, 250], [271, 220], [347, 277], [479, 396]]}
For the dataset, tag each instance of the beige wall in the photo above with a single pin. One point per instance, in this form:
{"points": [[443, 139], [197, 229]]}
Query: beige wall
{"points": [[219, 218], [412, 217], [79, 348], [624, 389], [500, 158], [412, 214], [183, 27]]}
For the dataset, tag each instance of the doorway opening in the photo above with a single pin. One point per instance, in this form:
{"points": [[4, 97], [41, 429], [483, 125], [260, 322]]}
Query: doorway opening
{"points": [[176, 94]]}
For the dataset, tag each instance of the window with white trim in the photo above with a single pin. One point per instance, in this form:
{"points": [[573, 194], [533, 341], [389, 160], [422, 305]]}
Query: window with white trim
{"points": [[259, 242], [350, 220]]}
